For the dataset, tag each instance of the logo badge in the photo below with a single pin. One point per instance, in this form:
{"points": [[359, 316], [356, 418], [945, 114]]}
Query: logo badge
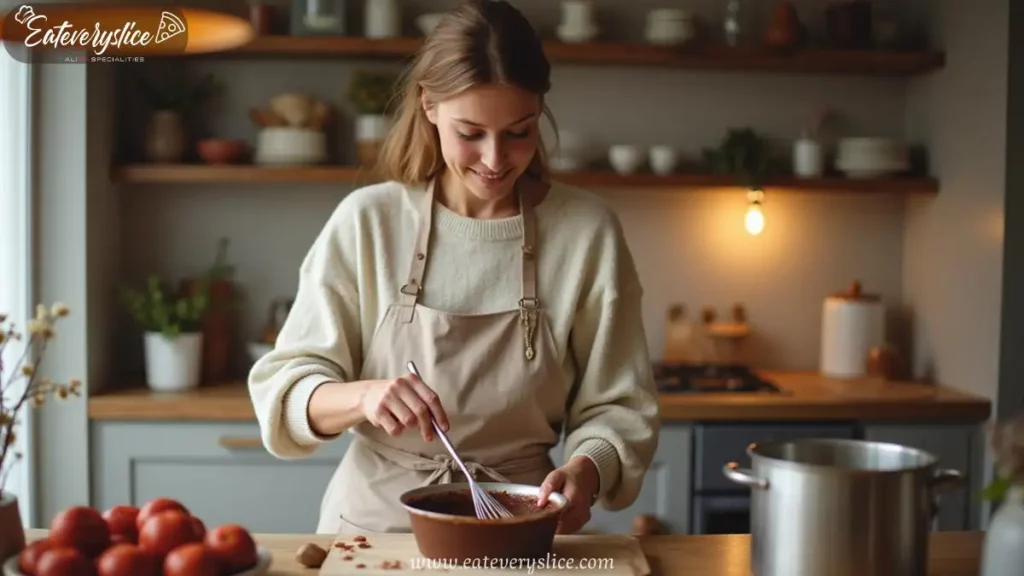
{"points": [[117, 33]]}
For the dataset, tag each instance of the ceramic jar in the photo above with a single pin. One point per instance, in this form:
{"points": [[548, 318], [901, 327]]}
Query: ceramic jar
{"points": [[1003, 552], [808, 158], [382, 19], [165, 137]]}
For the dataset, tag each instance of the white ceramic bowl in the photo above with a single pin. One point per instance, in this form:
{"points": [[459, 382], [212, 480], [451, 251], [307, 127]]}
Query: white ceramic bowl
{"points": [[870, 157], [664, 159], [286, 145], [263, 560], [625, 158]]}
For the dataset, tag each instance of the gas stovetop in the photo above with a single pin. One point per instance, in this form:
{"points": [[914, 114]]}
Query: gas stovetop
{"points": [[704, 378]]}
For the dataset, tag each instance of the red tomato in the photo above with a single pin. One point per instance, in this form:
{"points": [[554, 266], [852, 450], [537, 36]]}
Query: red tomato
{"points": [[199, 527], [166, 531], [28, 559], [192, 560], [64, 561], [233, 545], [126, 560], [82, 528], [156, 506], [122, 521]]}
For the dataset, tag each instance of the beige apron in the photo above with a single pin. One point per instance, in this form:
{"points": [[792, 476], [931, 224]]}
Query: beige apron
{"points": [[499, 380]]}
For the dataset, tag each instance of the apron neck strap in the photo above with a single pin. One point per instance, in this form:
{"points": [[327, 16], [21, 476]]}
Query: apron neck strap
{"points": [[530, 191]]}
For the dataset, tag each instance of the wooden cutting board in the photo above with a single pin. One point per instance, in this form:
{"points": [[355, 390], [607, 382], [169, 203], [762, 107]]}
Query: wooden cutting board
{"points": [[393, 554]]}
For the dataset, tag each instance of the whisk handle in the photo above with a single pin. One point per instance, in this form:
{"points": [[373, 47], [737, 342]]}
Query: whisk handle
{"points": [[440, 434]]}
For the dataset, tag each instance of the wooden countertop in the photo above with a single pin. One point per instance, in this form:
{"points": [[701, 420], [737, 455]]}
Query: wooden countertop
{"points": [[804, 396], [950, 553]]}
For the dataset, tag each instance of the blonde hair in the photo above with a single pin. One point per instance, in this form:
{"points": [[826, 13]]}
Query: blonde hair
{"points": [[478, 42]]}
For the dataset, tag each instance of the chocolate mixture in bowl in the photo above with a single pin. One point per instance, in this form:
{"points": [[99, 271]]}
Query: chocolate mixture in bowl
{"points": [[460, 503]]}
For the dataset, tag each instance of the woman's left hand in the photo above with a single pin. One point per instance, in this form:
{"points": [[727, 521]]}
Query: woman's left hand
{"points": [[578, 481]]}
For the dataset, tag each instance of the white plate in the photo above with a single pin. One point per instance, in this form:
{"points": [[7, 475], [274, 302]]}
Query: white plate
{"points": [[263, 559]]}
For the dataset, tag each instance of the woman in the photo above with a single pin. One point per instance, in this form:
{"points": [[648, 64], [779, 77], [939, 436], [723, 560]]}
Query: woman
{"points": [[517, 300]]}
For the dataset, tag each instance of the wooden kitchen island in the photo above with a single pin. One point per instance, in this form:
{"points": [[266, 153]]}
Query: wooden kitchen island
{"points": [[951, 554]]}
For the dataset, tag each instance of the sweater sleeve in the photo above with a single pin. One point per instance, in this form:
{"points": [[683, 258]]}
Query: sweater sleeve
{"points": [[319, 342], [613, 415]]}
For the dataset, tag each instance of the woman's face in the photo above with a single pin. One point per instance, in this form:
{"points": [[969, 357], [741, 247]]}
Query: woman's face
{"points": [[489, 135]]}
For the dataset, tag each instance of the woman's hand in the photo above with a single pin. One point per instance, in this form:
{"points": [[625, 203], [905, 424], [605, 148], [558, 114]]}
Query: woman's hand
{"points": [[402, 403], [578, 481]]}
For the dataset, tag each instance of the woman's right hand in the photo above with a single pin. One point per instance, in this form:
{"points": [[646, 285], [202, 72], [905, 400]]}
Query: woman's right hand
{"points": [[402, 403]]}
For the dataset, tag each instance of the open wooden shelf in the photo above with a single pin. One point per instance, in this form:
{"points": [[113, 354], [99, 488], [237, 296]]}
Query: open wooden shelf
{"points": [[208, 174], [697, 57]]}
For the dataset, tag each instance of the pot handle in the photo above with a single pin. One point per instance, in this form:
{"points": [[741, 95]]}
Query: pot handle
{"points": [[743, 476], [946, 479]]}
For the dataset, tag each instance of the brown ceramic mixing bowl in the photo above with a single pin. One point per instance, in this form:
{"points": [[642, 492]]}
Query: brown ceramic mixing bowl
{"points": [[445, 527]]}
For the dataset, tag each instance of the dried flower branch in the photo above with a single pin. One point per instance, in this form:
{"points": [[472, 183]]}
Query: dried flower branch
{"points": [[42, 329]]}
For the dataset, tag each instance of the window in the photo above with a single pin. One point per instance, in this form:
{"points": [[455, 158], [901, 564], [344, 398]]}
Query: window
{"points": [[15, 247]]}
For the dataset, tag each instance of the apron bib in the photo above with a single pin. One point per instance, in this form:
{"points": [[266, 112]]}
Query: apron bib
{"points": [[499, 380]]}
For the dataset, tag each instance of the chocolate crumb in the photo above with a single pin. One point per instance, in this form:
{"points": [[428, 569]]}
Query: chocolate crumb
{"points": [[360, 565], [391, 565], [360, 538], [364, 545], [347, 557]]}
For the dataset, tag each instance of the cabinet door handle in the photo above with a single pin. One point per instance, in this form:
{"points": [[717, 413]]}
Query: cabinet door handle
{"points": [[232, 442]]}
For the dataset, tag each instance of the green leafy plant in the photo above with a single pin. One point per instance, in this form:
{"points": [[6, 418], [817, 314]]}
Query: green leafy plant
{"points": [[372, 91], [180, 94], [743, 154], [156, 309]]}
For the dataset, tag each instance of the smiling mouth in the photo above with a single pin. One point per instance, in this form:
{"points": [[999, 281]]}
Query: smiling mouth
{"points": [[497, 177]]}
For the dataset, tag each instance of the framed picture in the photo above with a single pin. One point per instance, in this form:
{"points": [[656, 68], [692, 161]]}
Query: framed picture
{"points": [[318, 17]]}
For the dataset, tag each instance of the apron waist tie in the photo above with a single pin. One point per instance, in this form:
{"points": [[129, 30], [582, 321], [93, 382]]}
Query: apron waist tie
{"points": [[442, 467]]}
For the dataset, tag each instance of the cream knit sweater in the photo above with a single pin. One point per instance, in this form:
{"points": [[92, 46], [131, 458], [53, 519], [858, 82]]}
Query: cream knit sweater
{"points": [[586, 280]]}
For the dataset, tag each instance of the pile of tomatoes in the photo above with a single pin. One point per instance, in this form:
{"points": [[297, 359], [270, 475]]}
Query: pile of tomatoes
{"points": [[162, 538]]}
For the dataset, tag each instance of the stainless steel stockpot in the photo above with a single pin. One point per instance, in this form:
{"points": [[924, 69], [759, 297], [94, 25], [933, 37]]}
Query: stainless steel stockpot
{"points": [[840, 507]]}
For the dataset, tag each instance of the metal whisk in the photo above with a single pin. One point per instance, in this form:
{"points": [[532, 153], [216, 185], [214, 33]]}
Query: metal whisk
{"points": [[485, 506]]}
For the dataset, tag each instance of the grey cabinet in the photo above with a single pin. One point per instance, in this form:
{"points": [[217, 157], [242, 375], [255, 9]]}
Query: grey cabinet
{"points": [[665, 494], [219, 470], [956, 446]]}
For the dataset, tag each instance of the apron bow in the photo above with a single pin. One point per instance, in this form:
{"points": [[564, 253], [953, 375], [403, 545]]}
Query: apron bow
{"points": [[445, 467]]}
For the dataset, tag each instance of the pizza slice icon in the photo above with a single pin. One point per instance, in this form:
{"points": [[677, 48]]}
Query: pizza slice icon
{"points": [[170, 26]]}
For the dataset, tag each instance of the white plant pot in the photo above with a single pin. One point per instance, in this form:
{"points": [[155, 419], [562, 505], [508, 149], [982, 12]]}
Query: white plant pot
{"points": [[173, 364], [372, 127]]}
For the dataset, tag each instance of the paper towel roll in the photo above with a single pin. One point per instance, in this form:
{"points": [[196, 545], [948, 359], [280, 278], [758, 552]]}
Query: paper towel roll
{"points": [[850, 327]]}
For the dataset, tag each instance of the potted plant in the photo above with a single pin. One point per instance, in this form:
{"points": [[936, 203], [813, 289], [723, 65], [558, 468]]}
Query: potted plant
{"points": [[22, 386], [1003, 551], [173, 338], [166, 138], [371, 93], [741, 153]]}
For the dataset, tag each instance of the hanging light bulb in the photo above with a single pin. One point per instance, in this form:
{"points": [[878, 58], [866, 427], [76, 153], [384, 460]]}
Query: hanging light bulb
{"points": [[754, 219]]}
